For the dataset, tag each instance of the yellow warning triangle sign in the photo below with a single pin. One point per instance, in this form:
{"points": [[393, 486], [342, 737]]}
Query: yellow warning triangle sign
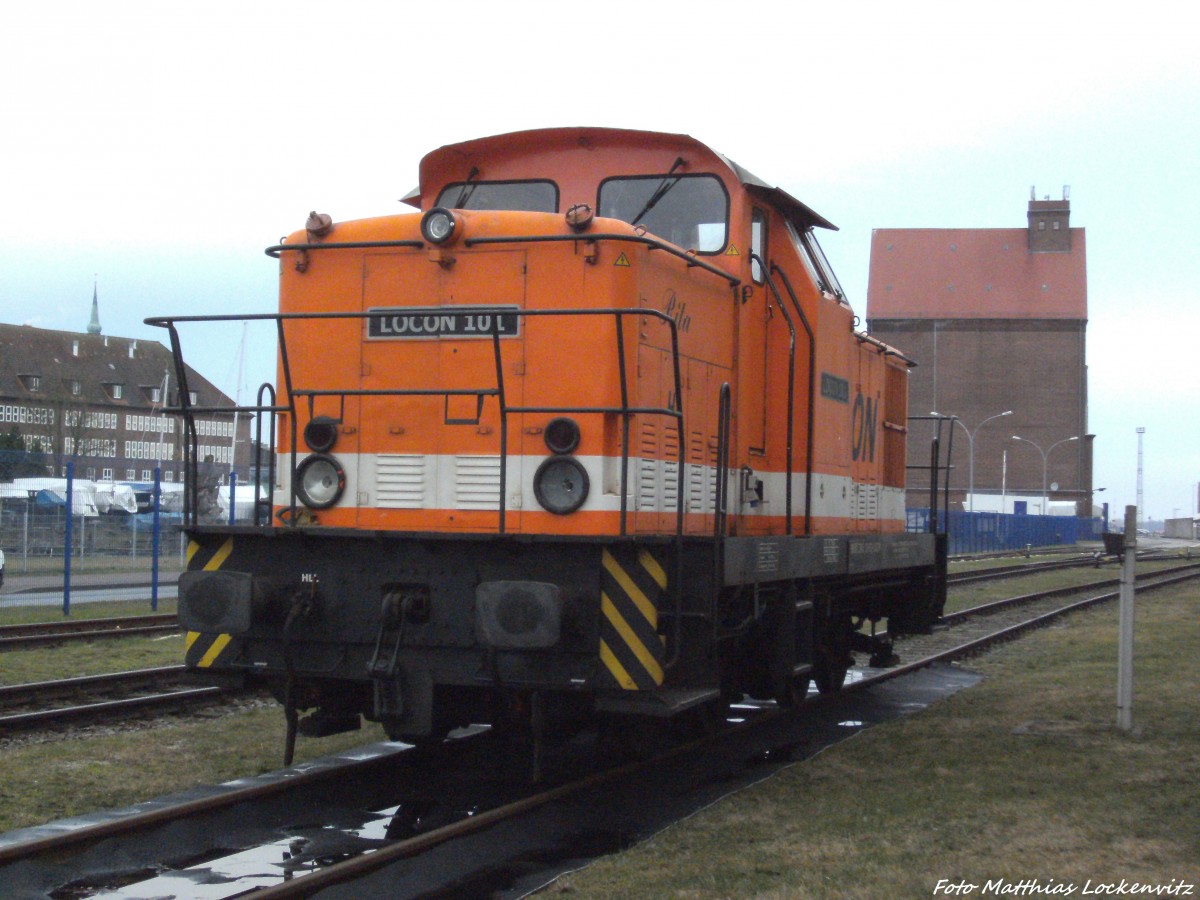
{"points": [[732, 251], [623, 260]]}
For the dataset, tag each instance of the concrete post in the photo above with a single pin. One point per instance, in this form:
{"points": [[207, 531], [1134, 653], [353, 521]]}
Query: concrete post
{"points": [[1125, 627]]}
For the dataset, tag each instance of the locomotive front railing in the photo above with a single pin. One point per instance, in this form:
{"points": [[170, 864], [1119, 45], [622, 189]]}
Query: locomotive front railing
{"points": [[688, 256], [292, 393]]}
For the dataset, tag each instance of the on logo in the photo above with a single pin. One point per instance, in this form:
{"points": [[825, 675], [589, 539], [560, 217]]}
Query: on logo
{"points": [[862, 427]]}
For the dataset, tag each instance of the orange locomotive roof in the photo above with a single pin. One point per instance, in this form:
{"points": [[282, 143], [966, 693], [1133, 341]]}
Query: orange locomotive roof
{"points": [[578, 158], [973, 273]]}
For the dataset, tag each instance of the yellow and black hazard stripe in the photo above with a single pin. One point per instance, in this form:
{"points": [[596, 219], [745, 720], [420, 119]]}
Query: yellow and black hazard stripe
{"points": [[202, 649], [632, 581], [208, 557]]}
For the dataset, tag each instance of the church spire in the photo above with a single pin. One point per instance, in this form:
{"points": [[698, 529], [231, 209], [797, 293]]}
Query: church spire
{"points": [[94, 325]]}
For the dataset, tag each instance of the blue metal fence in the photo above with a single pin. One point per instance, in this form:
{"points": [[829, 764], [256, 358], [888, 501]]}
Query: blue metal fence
{"points": [[986, 532], [68, 540]]}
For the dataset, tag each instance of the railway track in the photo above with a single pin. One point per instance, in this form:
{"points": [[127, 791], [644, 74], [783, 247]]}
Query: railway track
{"points": [[42, 634], [99, 699], [1072, 562], [308, 868]]}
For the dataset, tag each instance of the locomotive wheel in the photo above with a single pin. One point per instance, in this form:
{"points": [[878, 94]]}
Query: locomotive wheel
{"points": [[795, 691], [829, 678], [833, 658]]}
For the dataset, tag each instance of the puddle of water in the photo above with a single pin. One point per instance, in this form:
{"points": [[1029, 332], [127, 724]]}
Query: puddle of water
{"points": [[238, 872], [307, 849]]}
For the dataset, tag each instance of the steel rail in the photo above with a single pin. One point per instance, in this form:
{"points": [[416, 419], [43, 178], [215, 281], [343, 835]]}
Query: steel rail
{"points": [[62, 715], [1010, 631], [998, 572], [143, 821], [16, 637], [996, 605], [19, 693]]}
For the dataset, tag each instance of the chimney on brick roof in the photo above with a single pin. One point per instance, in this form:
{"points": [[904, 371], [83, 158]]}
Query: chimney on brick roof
{"points": [[1050, 223]]}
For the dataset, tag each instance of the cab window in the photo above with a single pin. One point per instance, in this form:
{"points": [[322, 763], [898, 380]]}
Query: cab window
{"points": [[520, 196], [758, 244], [690, 211], [815, 262]]}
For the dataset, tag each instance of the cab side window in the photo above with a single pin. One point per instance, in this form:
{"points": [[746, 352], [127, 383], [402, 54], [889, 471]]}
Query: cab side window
{"points": [[758, 245]]}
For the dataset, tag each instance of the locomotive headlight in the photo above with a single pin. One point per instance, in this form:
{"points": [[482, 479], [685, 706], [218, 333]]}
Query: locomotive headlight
{"points": [[561, 435], [438, 225], [561, 485], [320, 434], [320, 481]]}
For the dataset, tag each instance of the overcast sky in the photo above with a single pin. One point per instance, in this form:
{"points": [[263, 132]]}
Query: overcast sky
{"points": [[157, 148]]}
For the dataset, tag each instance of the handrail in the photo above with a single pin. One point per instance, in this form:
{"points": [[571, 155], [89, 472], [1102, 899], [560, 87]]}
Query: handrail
{"points": [[720, 504], [258, 442], [292, 392], [791, 388], [936, 468], [277, 250], [884, 349], [812, 397], [688, 256]]}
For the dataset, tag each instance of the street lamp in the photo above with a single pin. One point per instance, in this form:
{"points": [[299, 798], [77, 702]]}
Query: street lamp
{"points": [[971, 450], [1045, 458]]}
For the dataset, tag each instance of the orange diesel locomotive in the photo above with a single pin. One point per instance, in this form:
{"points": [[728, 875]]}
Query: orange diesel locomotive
{"points": [[593, 433]]}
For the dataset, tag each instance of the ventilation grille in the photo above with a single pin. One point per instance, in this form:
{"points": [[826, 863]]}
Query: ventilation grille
{"points": [[647, 466], [658, 466], [477, 482], [867, 506], [670, 493], [400, 481], [701, 473]]}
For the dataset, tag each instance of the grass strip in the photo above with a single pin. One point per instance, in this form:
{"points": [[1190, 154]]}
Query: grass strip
{"points": [[99, 657], [1023, 778], [49, 780], [13, 612]]}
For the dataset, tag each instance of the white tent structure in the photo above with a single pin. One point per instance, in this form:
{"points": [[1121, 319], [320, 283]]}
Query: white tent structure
{"points": [[83, 493]]}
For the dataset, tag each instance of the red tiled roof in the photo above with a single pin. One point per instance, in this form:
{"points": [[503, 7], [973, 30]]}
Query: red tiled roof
{"points": [[973, 273], [92, 360]]}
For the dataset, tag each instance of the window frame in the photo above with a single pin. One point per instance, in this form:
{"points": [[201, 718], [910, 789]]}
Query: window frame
{"points": [[815, 262], [501, 182], [680, 177], [759, 247]]}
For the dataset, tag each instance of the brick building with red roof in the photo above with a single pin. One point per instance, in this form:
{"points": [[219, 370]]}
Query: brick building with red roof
{"points": [[996, 320]]}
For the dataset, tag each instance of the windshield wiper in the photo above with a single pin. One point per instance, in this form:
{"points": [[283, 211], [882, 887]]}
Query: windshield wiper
{"points": [[467, 189], [660, 191]]}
